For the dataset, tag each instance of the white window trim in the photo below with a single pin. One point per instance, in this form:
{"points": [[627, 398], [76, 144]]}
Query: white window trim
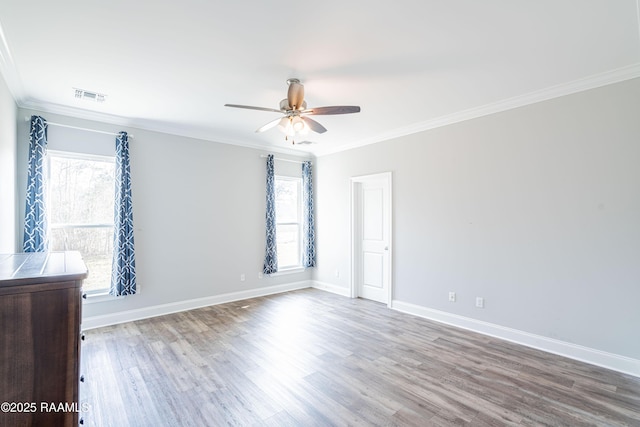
{"points": [[98, 296], [102, 294], [287, 271], [292, 269], [82, 156]]}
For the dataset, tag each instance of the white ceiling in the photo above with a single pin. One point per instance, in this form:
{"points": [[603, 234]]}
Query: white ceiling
{"points": [[170, 66]]}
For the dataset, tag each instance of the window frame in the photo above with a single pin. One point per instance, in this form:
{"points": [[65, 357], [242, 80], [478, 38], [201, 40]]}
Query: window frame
{"points": [[298, 266], [103, 291]]}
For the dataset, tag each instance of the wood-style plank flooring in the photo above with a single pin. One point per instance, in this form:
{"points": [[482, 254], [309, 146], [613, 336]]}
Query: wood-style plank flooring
{"points": [[311, 358]]}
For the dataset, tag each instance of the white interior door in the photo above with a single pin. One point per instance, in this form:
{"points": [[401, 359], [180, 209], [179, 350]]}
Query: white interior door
{"points": [[371, 237]]}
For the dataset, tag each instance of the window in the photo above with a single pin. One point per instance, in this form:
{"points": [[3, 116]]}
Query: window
{"points": [[288, 221], [81, 208]]}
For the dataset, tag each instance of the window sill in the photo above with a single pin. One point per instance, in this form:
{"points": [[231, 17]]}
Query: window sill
{"points": [[286, 271], [100, 297]]}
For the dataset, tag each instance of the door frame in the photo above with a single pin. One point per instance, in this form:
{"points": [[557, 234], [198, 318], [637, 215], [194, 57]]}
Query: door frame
{"points": [[355, 231]]}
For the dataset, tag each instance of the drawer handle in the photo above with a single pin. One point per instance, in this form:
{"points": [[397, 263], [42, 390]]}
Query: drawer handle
{"points": [[82, 337], [81, 378], [81, 422], [84, 296]]}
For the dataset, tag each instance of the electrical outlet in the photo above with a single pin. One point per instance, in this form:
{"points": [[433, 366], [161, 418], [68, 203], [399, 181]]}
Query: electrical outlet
{"points": [[242, 277], [260, 275], [337, 273], [479, 302], [452, 296]]}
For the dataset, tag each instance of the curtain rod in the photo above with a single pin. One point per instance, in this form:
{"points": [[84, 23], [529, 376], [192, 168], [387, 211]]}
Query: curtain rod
{"points": [[284, 160], [26, 119]]}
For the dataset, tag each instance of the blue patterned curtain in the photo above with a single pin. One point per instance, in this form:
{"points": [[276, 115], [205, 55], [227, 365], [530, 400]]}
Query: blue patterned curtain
{"points": [[271, 253], [308, 221], [123, 274], [35, 215]]}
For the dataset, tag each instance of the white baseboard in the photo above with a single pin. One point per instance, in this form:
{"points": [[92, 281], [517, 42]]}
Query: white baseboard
{"points": [[584, 354], [160, 310], [330, 287], [611, 361]]}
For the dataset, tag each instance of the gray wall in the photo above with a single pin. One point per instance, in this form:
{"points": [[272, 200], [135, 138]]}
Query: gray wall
{"points": [[199, 211], [536, 209], [8, 111]]}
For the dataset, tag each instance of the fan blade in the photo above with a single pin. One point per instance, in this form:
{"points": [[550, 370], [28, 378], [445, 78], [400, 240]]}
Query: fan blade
{"points": [[295, 94], [269, 125], [248, 107], [313, 125], [338, 109]]}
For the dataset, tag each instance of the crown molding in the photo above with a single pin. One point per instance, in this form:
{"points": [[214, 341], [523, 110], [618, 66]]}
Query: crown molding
{"points": [[8, 69], [590, 82], [146, 125], [76, 113], [580, 85]]}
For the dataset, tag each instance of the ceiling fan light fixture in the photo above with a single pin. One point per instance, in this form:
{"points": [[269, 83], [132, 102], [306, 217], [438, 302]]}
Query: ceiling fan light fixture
{"points": [[297, 124], [286, 126], [295, 111]]}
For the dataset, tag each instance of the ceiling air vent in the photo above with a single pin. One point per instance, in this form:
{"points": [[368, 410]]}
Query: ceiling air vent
{"points": [[88, 95]]}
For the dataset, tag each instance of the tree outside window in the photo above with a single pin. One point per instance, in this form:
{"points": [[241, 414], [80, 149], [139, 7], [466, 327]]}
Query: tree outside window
{"points": [[81, 204]]}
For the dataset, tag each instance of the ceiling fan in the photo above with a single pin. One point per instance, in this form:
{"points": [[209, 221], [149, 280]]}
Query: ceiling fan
{"points": [[294, 108]]}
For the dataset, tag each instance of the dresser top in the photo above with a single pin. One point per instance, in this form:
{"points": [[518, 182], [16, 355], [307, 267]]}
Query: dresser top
{"points": [[41, 267]]}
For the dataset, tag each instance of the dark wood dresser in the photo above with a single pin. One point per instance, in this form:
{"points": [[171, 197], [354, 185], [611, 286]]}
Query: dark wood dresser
{"points": [[40, 316]]}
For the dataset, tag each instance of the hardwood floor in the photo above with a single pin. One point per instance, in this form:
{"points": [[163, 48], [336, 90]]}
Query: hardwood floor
{"points": [[311, 358]]}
